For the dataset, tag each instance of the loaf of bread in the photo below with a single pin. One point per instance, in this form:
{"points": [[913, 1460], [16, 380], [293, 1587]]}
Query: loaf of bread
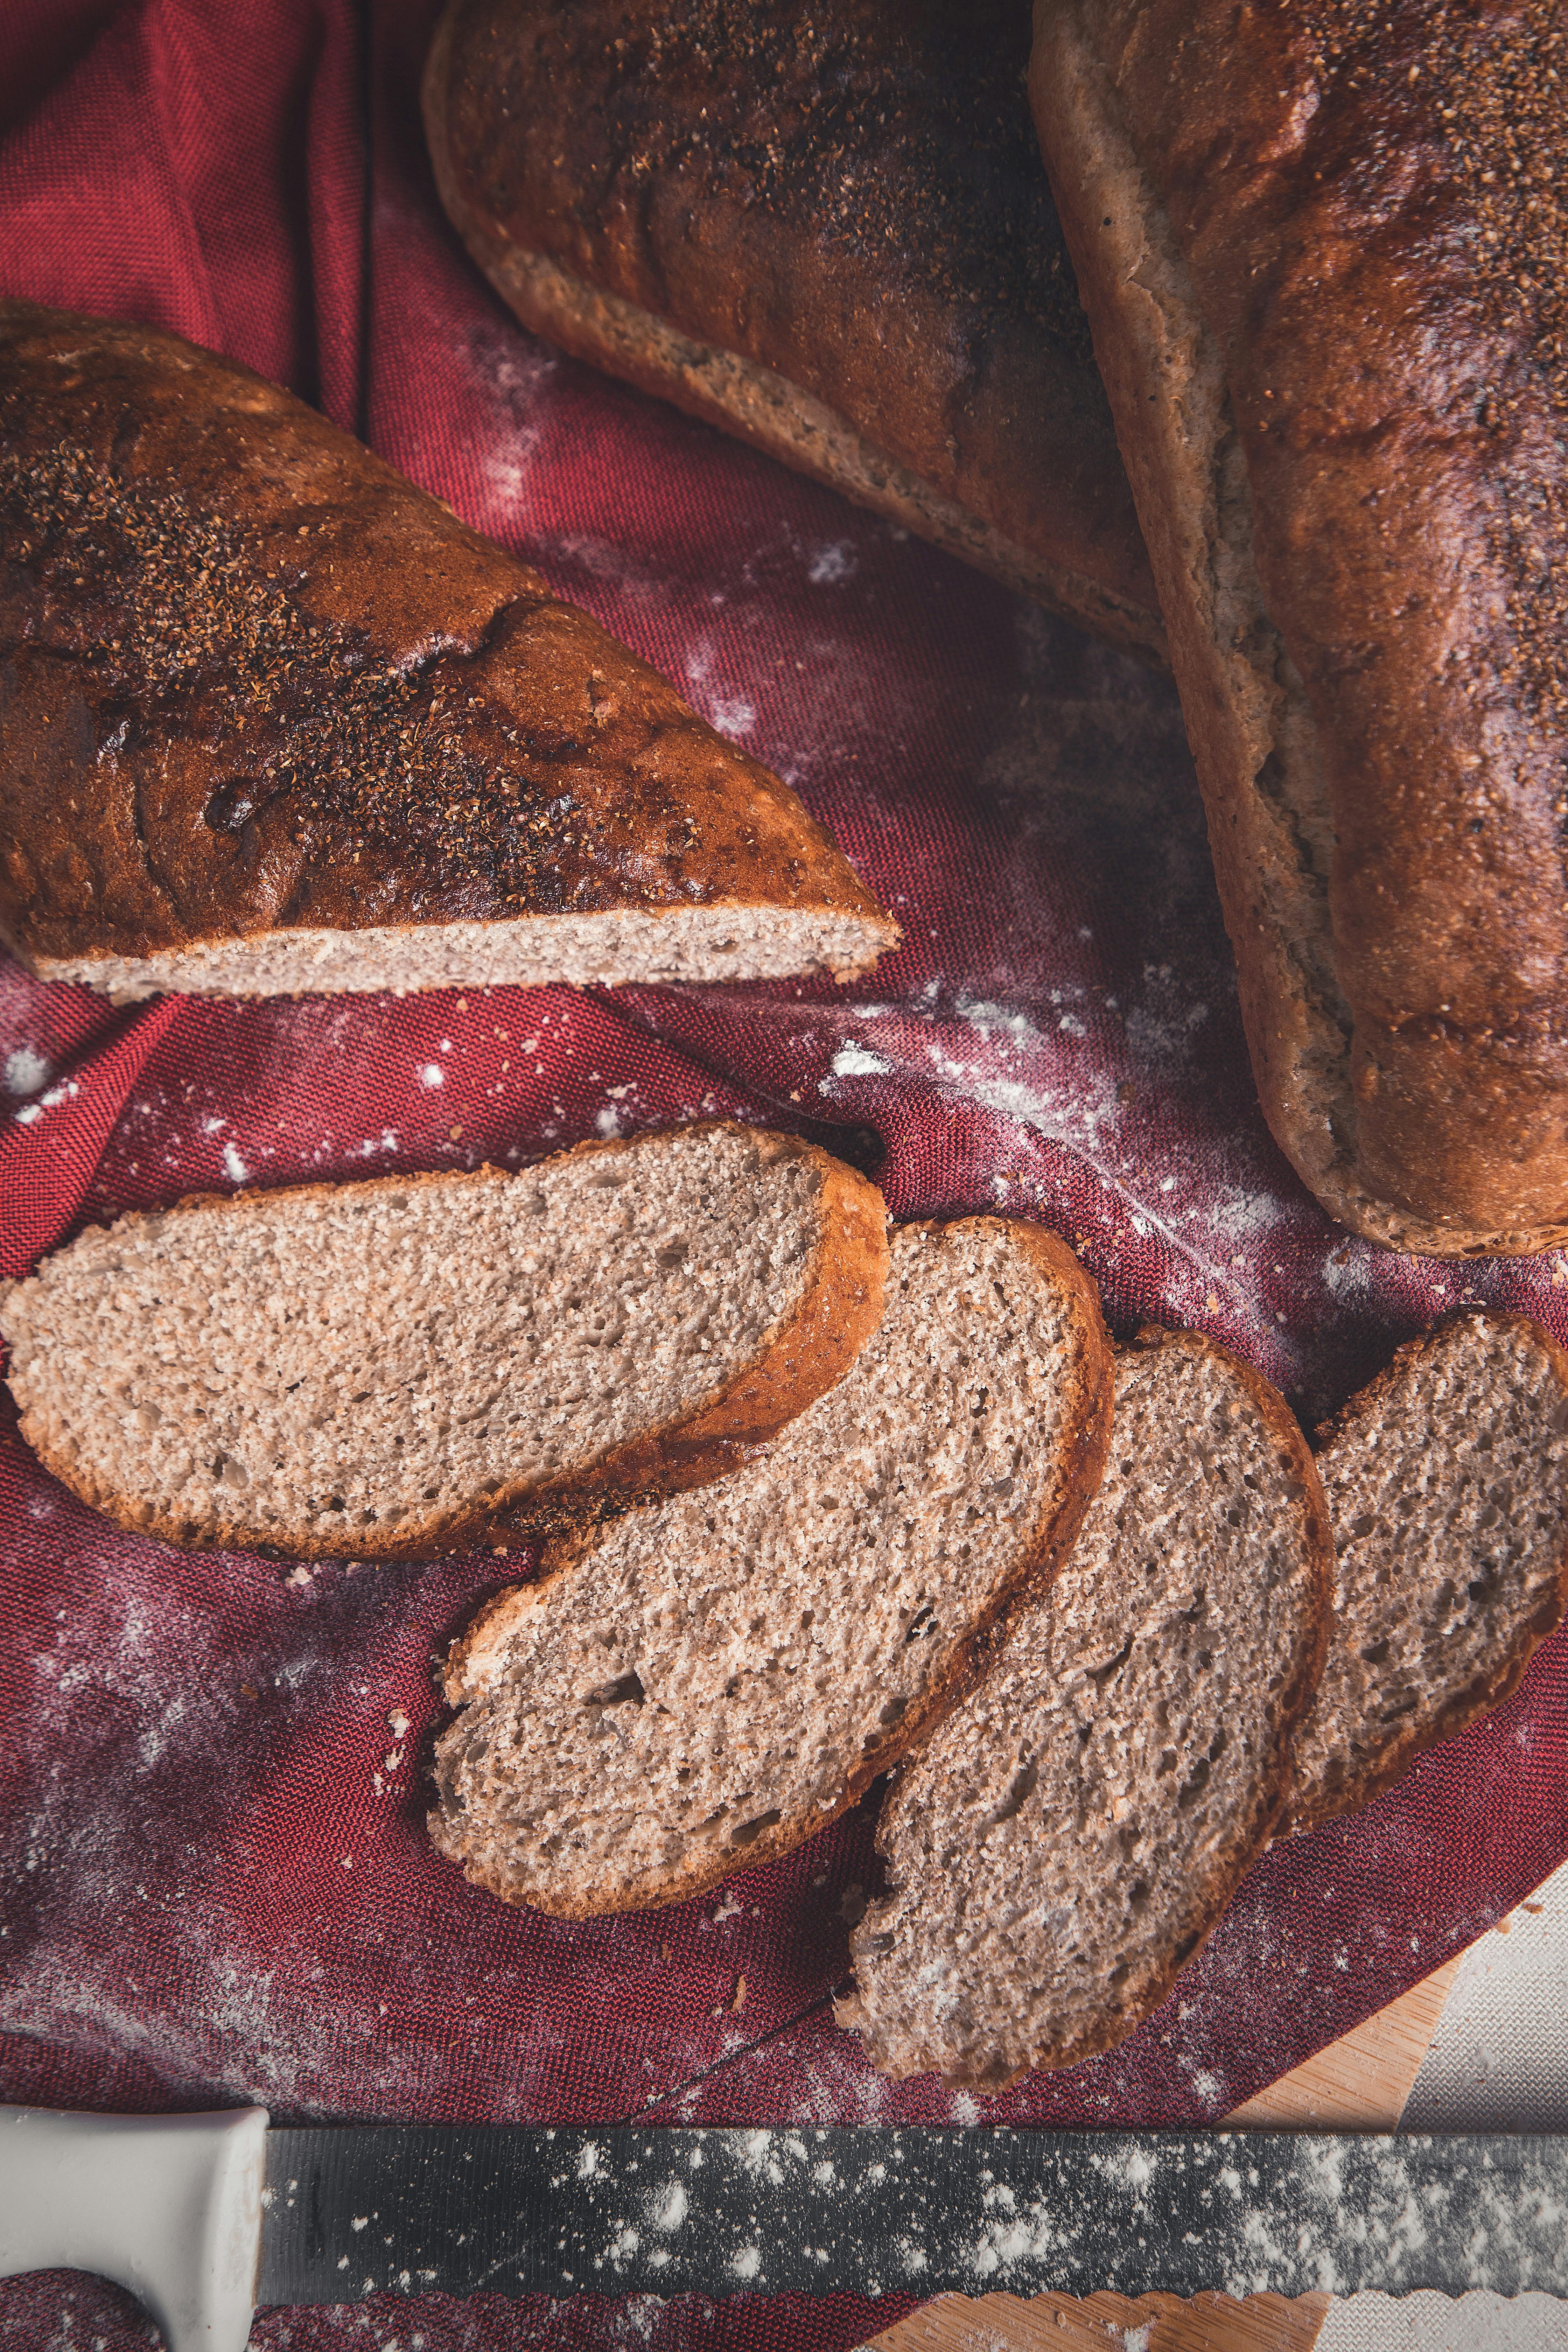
{"points": [[825, 227], [1322, 251], [1072, 1832], [275, 720], [419, 1364], [1447, 1486], [703, 1683]]}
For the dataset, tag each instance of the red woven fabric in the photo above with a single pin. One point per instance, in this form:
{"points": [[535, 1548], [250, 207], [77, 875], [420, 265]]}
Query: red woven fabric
{"points": [[218, 1884]]}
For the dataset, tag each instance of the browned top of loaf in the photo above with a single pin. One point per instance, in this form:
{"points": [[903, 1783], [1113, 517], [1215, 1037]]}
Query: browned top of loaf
{"points": [[255, 679], [1371, 202], [850, 194]]}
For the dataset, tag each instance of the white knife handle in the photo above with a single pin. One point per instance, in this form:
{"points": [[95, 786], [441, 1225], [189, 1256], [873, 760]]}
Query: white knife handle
{"points": [[169, 2206]]}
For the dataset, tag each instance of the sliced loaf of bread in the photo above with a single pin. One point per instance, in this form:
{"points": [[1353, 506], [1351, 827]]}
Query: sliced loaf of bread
{"points": [[1069, 1836], [276, 721], [703, 1684], [422, 1363], [1447, 1483]]}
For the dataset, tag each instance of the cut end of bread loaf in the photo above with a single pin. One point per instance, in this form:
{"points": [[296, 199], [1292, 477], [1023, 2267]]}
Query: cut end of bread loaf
{"points": [[1447, 1483], [417, 1364], [1068, 1837], [704, 1682], [649, 947]]}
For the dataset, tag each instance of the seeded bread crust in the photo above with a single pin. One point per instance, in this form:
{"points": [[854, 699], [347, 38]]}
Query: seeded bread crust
{"points": [[270, 707], [825, 230], [1447, 1711], [1321, 247], [839, 1306], [1194, 1910], [482, 1648]]}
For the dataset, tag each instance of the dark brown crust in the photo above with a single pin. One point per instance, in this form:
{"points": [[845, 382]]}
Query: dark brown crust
{"points": [[1088, 1438], [1371, 205], [1459, 1707], [840, 1307], [1127, 2007], [844, 208], [253, 681]]}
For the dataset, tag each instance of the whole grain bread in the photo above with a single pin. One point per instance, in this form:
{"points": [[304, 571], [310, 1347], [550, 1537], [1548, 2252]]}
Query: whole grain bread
{"points": [[419, 1364], [1447, 1485], [704, 1682], [824, 227], [1066, 1840], [274, 720], [1321, 250]]}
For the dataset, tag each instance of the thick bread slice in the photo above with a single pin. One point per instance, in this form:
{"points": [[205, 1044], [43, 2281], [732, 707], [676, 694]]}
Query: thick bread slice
{"points": [[824, 228], [1068, 1838], [420, 1364], [1447, 1484], [702, 1685], [1320, 251], [276, 720]]}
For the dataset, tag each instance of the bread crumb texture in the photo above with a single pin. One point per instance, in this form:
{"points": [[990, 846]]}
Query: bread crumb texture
{"points": [[655, 946], [709, 1680], [352, 1367], [1073, 1831], [1447, 1482]]}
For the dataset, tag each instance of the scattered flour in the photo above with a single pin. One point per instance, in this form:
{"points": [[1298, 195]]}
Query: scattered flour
{"points": [[858, 1061], [25, 1071], [832, 564]]}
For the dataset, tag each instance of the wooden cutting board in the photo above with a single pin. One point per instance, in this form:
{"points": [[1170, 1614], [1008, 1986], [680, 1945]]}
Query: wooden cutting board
{"points": [[1109, 2323], [1359, 2083]]}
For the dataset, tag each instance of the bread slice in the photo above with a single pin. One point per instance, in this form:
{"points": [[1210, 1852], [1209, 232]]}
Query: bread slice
{"points": [[702, 1685], [1447, 1484], [419, 1364], [276, 720], [826, 230], [1068, 1838]]}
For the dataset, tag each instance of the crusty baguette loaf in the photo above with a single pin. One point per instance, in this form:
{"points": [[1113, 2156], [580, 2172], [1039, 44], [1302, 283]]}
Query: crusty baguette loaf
{"points": [[1069, 1836], [824, 227], [1447, 1486], [419, 1364], [276, 720], [1321, 252], [704, 1682]]}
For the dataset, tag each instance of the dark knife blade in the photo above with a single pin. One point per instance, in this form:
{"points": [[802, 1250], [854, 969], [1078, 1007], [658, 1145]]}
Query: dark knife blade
{"points": [[352, 2211]]}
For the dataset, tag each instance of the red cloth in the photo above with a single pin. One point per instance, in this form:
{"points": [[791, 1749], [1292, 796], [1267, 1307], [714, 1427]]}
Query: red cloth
{"points": [[218, 1884]]}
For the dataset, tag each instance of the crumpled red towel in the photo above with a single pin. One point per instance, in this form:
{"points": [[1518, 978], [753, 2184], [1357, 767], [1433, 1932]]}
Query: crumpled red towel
{"points": [[217, 1885]]}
